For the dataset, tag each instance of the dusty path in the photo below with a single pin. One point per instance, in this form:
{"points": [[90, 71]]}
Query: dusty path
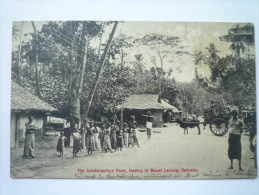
{"points": [[205, 156]]}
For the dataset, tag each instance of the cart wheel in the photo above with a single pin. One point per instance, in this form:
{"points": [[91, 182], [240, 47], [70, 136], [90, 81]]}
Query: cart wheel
{"points": [[219, 126]]}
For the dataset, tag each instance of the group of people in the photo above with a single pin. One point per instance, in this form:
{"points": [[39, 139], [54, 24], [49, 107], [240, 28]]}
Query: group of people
{"points": [[107, 137], [112, 137]]}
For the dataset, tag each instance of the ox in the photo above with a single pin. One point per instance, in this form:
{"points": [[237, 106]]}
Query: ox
{"points": [[189, 123]]}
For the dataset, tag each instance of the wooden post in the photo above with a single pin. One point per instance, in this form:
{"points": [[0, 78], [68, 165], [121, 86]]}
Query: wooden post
{"points": [[17, 130]]}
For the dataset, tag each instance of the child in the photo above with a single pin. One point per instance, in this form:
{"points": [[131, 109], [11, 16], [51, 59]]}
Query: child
{"points": [[61, 143], [125, 135], [119, 139]]}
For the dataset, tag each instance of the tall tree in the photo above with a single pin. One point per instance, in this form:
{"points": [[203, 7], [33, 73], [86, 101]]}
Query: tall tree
{"points": [[163, 47], [99, 71], [36, 48]]}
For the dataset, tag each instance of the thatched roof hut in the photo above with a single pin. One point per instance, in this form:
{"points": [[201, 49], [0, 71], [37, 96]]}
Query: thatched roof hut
{"points": [[145, 102], [23, 100], [24, 103], [139, 104]]}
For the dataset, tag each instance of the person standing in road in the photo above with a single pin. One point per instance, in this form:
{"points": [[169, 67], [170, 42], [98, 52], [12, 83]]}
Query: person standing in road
{"points": [[61, 142], [125, 135], [106, 139], [234, 140], [67, 133], [90, 138], [113, 137], [76, 142], [252, 138], [96, 134], [133, 130], [29, 139], [101, 136], [149, 120], [119, 139], [82, 133]]}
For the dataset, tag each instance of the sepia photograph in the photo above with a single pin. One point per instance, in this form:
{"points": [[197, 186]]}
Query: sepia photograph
{"points": [[133, 100]]}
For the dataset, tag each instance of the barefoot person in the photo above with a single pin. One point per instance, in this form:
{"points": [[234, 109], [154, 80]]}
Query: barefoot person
{"points": [[90, 138], [76, 142], [149, 120], [106, 139], [234, 140], [133, 130], [29, 139], [113, 137], [125, 135], [101, 136], [61, 143], [119, 139]]}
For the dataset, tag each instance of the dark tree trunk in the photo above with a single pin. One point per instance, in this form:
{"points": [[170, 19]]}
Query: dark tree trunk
{"points": [[36, 60], [98, 73], [77, 73]]}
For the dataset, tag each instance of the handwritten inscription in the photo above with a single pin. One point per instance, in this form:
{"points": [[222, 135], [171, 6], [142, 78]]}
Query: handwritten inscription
{"points": [[154, 173]]}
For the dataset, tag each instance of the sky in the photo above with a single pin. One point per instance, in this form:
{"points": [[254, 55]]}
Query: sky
{"points": [[195, 36]]}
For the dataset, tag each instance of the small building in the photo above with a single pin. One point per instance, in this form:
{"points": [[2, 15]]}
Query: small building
{"points": [[139, 104], [24, 103]]}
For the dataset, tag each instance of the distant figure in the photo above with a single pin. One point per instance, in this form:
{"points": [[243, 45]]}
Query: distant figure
{"points": [[130, 137], [106, 139], [29, 139], [113, 137], [82, 133], [149, 120], [77, 142], [90, 138], [125, 135], [234, 140], [96, 134], [212, 109], [67, 133], [133, 130], [252, 138], [101, 136], [61, 142], [119, 139]]}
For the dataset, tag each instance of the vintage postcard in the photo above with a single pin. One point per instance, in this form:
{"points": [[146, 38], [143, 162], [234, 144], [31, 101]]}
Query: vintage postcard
{"points": [[133, 100]]}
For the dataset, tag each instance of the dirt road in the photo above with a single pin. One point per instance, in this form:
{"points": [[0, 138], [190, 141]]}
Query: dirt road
{"points": [[169, 154]]}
